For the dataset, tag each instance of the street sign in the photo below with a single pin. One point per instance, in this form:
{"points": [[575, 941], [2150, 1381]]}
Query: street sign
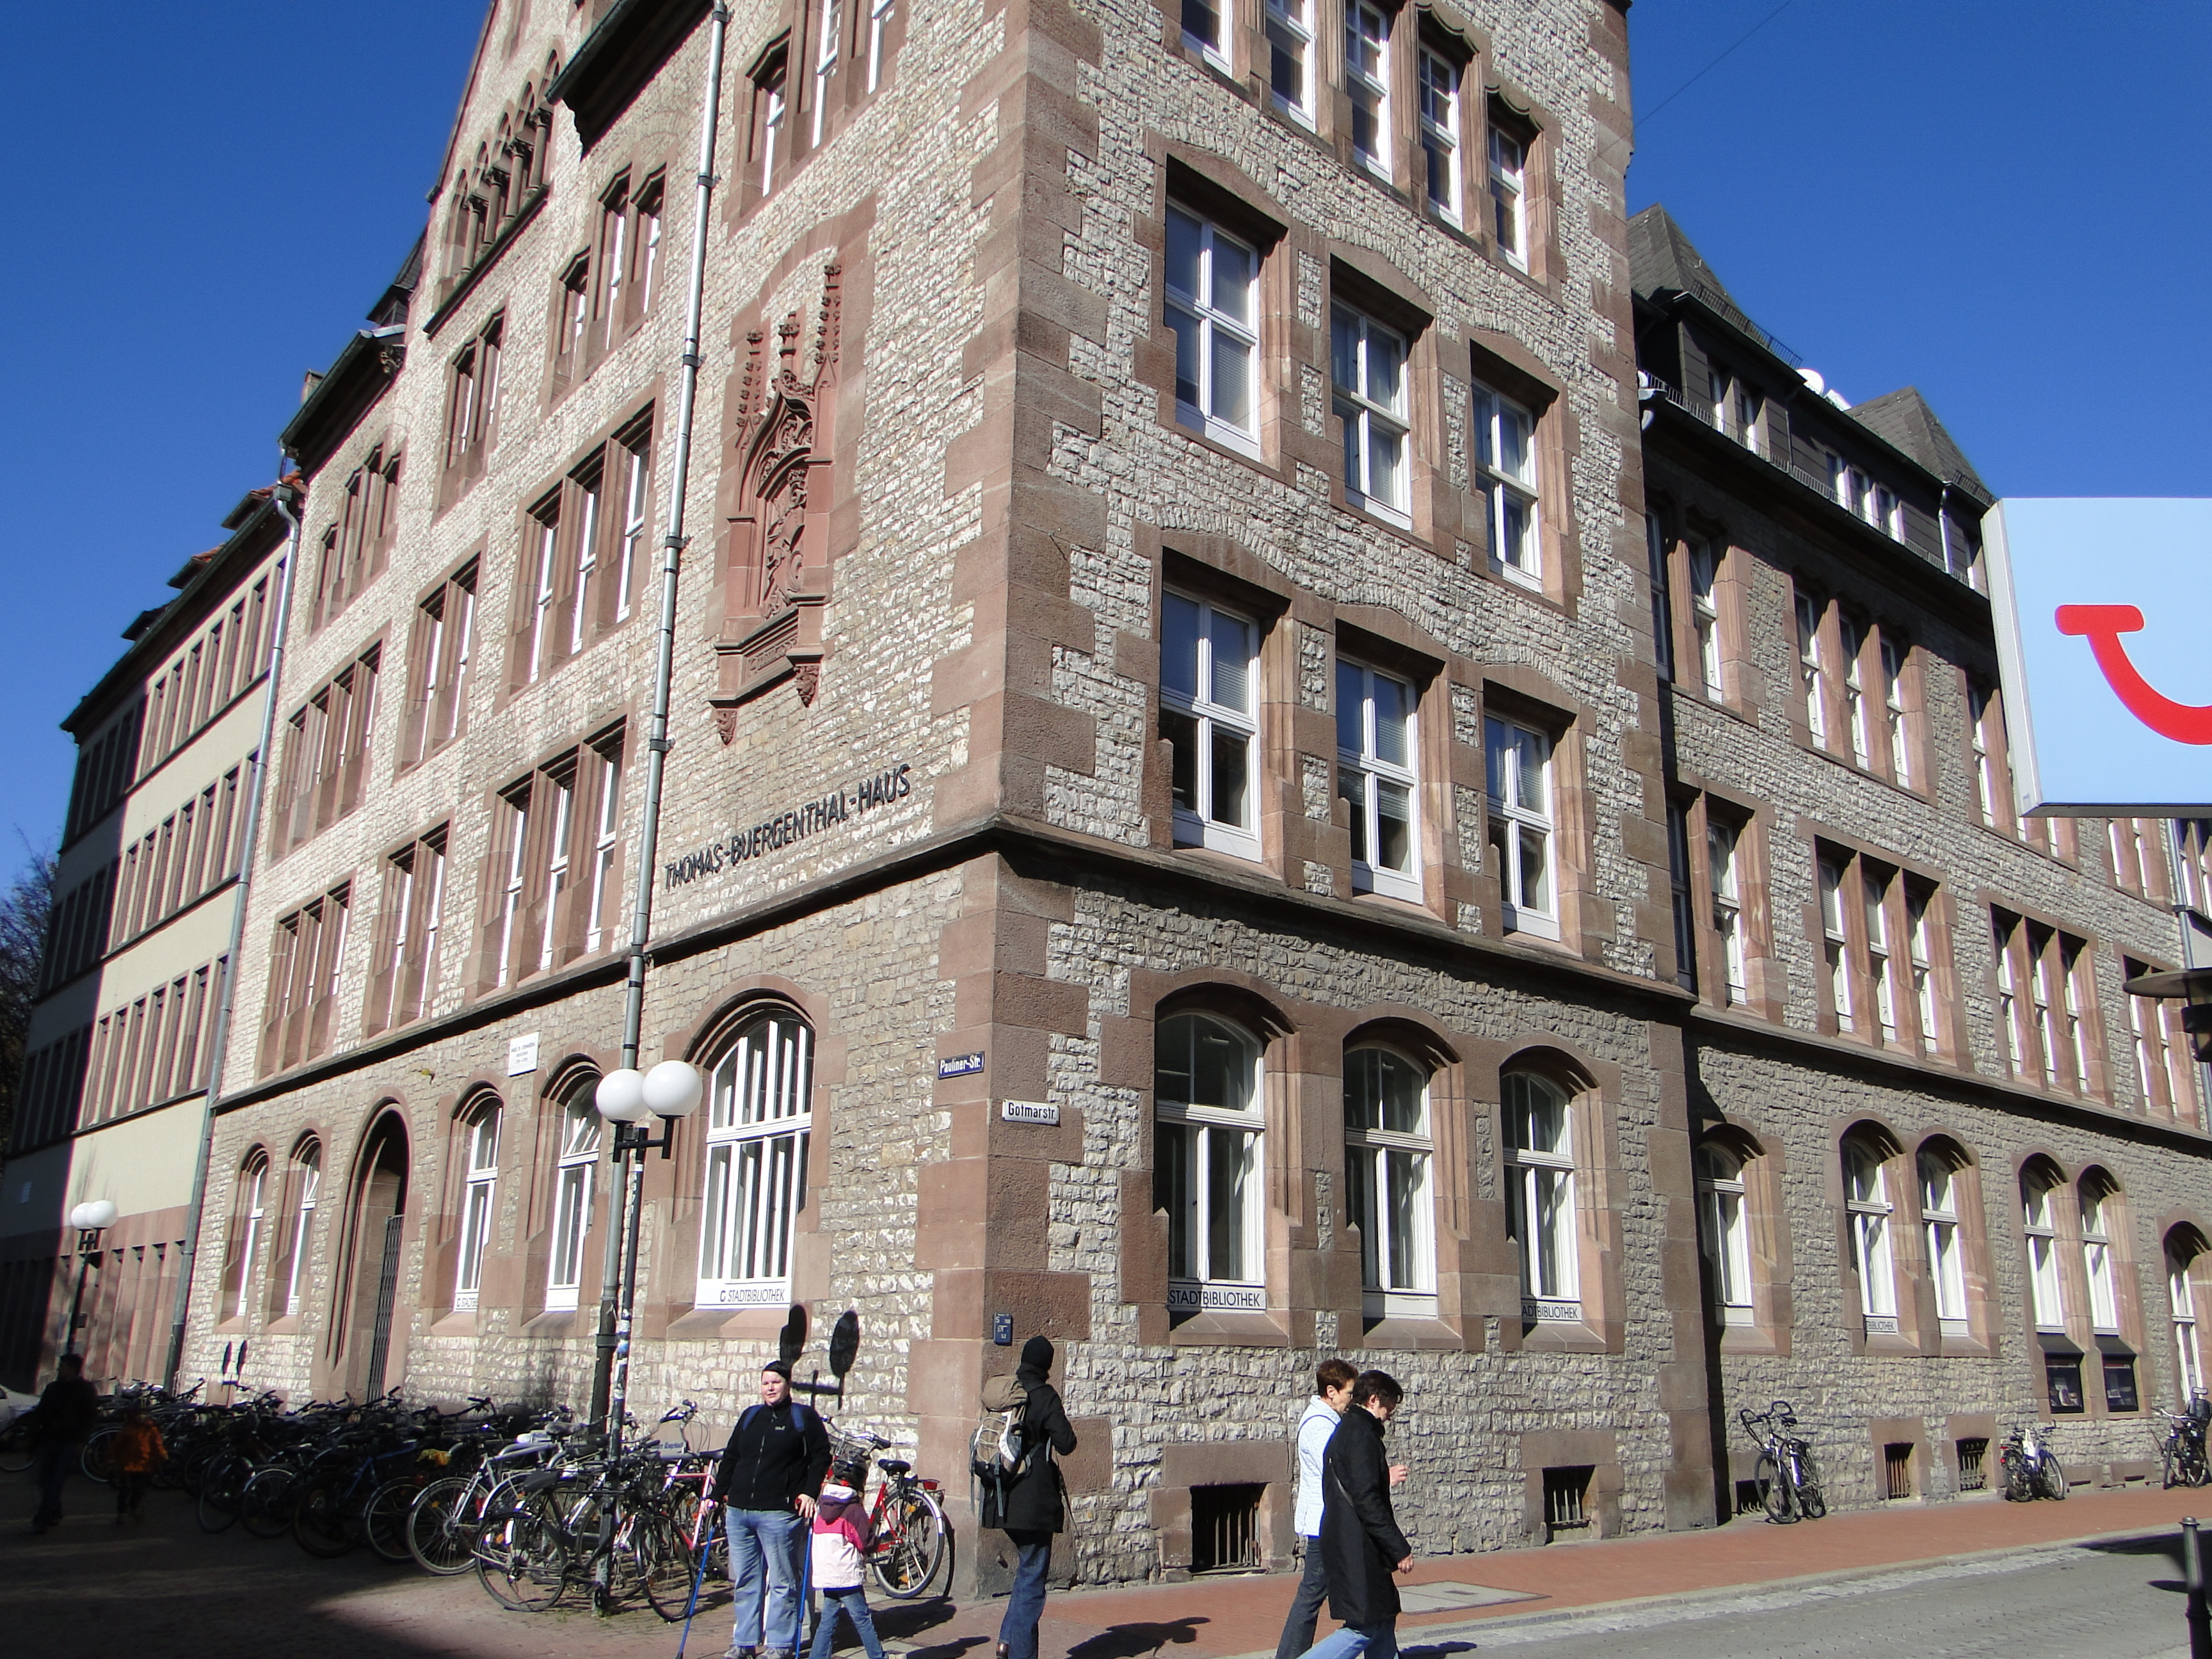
{"points": [[2107, 685]]}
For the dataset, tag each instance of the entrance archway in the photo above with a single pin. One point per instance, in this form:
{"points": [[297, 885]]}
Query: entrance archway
{"points": [[365, 1297]]}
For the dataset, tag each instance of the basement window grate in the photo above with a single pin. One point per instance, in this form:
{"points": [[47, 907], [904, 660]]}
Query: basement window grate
{"points": [[1225, 1529], [1974, 1475], [1897, 1469], [1566, 1499]]}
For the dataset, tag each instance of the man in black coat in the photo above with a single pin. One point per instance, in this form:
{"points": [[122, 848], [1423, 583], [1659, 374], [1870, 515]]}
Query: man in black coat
{"points": [[1028, 1504], [770, 1475], [1360, 1543], [66, 1415]]}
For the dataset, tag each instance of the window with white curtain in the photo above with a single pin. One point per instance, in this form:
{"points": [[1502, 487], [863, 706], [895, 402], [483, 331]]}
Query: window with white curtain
{"points": [[1866, 1200], [1206, 1162], [480, 1142], [1518, 762], [1947, 1262], [1388, 1150], [1209, 715], [1724, 1230], [760, 1111], [575, 1164], [2043, 1270], [2097, 1259], [1212, 306], [1375, 773], [1540, 1196], [252, 1216]]}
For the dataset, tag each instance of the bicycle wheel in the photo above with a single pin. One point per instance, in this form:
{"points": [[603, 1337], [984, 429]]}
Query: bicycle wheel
{"points": [[323, 1522], [1805, 1481], [2049, 1477], [220, 1492], [17, 1446], [1773, 1490], [93, 1460], [384, 1517], [912, 1548], [264, 1505], [521, 1559], [2194, 1470], [664, 1566], [2176, 1473], [441, 1527]]}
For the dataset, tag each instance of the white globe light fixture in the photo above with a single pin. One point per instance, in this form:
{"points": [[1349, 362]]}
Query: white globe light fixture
{"points": [[672, 1089], [621, 1096], [94, 1215]]}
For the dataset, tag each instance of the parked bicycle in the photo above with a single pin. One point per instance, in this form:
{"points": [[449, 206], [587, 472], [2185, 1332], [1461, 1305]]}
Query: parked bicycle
{"points": [[1788, 1479], [2183, 1450], [2031, 1469], [913, 1539]]}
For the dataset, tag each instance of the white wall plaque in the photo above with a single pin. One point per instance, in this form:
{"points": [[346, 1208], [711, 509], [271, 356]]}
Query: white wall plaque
{"points": [[1030, 1111], [522, 1056]]}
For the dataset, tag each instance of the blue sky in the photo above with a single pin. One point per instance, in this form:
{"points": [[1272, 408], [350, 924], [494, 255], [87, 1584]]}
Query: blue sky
{"points": [[1999, 203]]}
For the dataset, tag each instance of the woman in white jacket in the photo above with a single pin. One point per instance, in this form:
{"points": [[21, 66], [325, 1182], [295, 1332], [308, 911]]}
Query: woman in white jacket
{"points": [[1332, 1393]]}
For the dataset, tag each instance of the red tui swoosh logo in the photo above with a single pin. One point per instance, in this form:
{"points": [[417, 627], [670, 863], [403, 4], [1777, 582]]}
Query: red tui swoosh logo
{"points": [[2102, 625]]}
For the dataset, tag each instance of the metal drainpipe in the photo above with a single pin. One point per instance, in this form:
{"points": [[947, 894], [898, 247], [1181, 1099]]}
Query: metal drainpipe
{"points": [[618, 1286], [219, 1039]]}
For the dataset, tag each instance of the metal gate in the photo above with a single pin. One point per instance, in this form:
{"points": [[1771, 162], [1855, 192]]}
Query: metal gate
{"points": [[387, 1285]]}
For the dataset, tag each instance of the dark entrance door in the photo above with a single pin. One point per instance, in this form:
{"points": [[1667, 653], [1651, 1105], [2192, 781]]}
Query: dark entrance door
{"points": [[365, 1299]]}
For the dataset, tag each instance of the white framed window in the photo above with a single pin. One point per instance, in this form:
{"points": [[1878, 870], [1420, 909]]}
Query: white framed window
{"points": [[1518, 763], [1212, 282], [1207, 1163], [587, 560], [1209, 682], [562, 786], [2046, 1294], [1724, 841], [1724, 1230], [516, 876], [1866, 1200], [2097, 1260], [1540, 1197], [1376, 773], [1290, 56], [879, 19], [1920, 942], [1947, 1260], [1509, 196], [1892, 698], [1746, 406], [1678, 882], [1368, 363], [1388, 1150], [2046, 1013], [1886, 511], [2188, 1361], [1855, 708], [1980, 700], [1367, 80], [1440, 133], [1505, 451], [576, 1164], [1882, 972], [627, 572], [2073, 965], [253, 1217], [1810, 670], [307, 1172], [1705, 615], [541, 604], [480, 1142], [1662, 607], [598, 914], [771, 129], [1837, 943], [826, 64], [1202, 30], [759, 1115]]}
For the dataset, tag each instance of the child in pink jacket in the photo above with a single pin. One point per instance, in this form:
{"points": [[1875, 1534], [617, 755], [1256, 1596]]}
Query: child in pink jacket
{"points": [[841, 1537]]}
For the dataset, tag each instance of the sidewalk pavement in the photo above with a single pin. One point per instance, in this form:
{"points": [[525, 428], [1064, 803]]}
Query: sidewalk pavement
{"points": [[165, 1591]]}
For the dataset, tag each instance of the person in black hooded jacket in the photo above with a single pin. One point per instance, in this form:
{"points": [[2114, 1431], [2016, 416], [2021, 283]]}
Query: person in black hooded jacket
{"points": [[1360, 1543], [1028, 1504]]}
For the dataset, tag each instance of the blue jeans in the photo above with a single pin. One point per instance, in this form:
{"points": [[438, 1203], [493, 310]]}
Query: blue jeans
{"points": [[764, 1546], [853, 1604], [1305, 1605], [1018, 1629], [1376, 1641]]}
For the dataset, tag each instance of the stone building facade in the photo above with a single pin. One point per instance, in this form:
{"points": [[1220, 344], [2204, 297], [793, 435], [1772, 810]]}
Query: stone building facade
{"points": [[1167, 833]]}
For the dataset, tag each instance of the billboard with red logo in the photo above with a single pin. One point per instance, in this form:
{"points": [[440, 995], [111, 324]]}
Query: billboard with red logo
{"points": [[2102, 644]]}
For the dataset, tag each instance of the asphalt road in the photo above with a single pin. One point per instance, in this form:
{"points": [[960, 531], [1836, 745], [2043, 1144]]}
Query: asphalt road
{"points": [[2122, 1600]]}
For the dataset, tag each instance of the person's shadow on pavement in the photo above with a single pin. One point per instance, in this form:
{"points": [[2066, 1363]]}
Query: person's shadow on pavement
{"points": [[1134, 1641]]}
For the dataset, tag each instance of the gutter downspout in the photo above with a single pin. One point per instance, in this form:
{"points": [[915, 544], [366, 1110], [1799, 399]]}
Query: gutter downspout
{"points": [[219, 1039], [618, 1284]]}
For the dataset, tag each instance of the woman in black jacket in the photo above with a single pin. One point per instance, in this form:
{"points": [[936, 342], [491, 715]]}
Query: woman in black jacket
{"points": [[1360, 1543], [1028, 1503]]}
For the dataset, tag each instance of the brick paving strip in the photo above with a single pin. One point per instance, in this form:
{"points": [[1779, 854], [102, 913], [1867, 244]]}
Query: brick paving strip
{"points": [[165, 1590]]}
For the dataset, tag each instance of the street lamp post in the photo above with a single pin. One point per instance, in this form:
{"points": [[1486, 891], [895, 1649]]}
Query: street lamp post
{"points": [[90, 1219], [626, 1099]]}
